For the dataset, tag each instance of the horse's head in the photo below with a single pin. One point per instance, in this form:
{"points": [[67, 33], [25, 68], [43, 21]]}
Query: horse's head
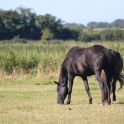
{"points": [[62, 92]]}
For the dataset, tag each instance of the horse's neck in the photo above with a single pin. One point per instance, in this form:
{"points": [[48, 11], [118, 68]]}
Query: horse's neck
{"points": [[63, 77]]}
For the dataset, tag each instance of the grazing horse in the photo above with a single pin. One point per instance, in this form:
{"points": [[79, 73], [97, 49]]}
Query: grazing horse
{"points": [[116, 66], [95, 60]]}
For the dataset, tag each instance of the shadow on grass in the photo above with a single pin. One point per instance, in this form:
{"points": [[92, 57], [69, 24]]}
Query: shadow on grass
{"points": [[120, 102]]}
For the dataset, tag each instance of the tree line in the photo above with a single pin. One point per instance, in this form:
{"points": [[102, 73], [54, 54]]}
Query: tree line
{"points": [[119, 23], [24, 23]]}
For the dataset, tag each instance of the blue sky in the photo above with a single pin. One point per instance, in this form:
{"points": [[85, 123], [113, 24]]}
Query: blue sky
{"points": [[73, 11]]}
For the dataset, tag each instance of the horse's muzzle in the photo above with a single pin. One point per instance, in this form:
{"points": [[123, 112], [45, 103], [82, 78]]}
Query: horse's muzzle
{"points": [[61, 102]]}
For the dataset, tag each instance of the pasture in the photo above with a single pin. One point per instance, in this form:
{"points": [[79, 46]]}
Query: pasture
{"points": [[28, 95]]}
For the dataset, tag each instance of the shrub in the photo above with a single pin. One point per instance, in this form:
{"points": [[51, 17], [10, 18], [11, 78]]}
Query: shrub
{"points": [[47, 34]]}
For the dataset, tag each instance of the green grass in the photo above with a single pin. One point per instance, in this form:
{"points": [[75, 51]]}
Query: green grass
{"points": [[27, 103], [40, 57]]}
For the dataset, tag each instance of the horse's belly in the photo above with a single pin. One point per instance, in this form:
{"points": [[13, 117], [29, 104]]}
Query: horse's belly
{"points": [[85, 72], [88, 72]]}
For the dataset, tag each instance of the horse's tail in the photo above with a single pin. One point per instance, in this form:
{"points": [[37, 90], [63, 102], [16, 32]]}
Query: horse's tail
{"points": [[121, 80]]}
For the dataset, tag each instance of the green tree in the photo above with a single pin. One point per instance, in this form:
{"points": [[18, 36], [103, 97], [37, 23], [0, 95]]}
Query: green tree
{"points": [[2, 29], [47, 34], [27, 27], [9, 20], [51, 23]]}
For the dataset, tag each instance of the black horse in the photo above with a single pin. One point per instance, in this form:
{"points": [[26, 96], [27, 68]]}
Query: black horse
{"points": [[95, 60], [116, 66]]}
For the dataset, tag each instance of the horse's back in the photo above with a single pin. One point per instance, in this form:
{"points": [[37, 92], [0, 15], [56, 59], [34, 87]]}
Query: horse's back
{"points": [[83, 61], [117, 61], [96, 55], [84, 56], [74, 53], [96, 50]]}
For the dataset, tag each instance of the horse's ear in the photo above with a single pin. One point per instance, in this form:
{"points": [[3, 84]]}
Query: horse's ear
{"points": [[56, 82]]}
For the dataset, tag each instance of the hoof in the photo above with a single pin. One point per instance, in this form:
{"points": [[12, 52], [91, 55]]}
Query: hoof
{"points": [[90, 101], [114, 100], [68, 102], [61, 103], [109, 103]]}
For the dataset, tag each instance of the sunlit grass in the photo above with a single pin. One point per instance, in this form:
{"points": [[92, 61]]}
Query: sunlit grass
{"points": [[36, 104]]}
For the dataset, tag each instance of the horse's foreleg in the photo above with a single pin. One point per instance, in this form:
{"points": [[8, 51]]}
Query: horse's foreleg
{"points": [[87, 89], [70, 85]]}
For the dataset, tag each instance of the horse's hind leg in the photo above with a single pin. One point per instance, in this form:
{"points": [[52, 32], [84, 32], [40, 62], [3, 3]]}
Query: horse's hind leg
{"points": [[87, 89], [70, 85], [114, 88], [101, 77], [109, 91]]}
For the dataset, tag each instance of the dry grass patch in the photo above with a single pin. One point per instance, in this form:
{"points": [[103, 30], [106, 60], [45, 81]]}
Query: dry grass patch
{"points": [[36, 104]]}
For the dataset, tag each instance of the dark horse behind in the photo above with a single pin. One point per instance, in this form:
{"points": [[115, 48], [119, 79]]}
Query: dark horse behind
{"points": [[105, 64]]}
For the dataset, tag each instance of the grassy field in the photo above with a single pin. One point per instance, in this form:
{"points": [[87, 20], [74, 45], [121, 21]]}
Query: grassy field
{"points": [[40, 57], [25, 102], [30, 98]]}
